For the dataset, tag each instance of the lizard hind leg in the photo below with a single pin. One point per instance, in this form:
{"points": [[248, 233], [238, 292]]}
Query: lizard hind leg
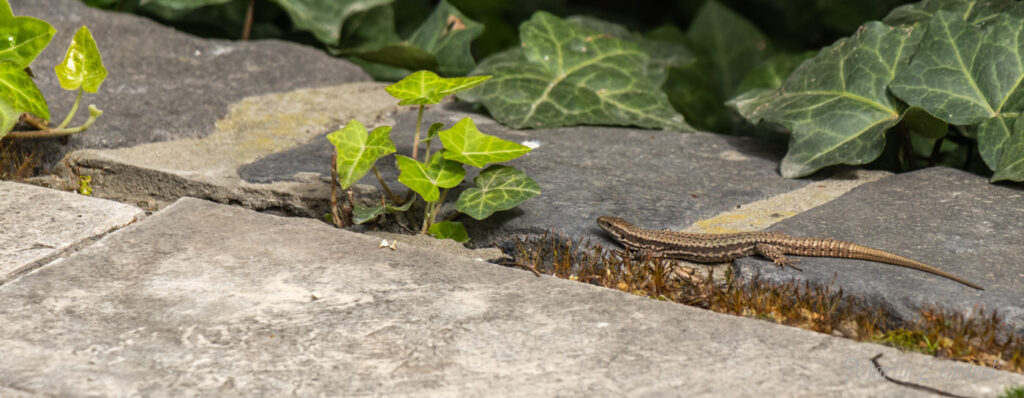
{"points": [[775, 254]]}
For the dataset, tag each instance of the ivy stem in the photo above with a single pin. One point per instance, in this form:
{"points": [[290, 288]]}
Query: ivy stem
{"points": [[426, 156], [74, 109], [416, 138], [440, 202], [933, 159], [93, 114], [908, 148], [335, 217], [247, 27], [427, 217], [394, 198], [453, 216]]}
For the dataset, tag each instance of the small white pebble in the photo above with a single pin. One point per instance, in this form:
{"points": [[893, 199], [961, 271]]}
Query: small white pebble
{"points": [[602, 324], [383, 243], [314, 295], [532, 144]]}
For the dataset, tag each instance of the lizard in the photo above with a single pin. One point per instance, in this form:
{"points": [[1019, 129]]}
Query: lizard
{"points": [[724, 247]]}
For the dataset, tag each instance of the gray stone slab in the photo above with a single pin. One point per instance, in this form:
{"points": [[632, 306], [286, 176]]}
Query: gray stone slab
{"points": [[946, 218], [203, 299], [41, 224], [159, 173], [164, 84]]}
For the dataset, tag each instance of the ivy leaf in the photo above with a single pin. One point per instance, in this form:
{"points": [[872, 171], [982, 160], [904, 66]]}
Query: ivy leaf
{"points": [[441, 43], [358, 151], [923, 123], [21, 38], [449, 230], [426, 87], [325, 18], [447, 34], [565, 74], [732, 44], [18, 94], [465, 144], [432, 131], [759, 85], [970, 75], [836, 104], [82, 66], [425, 179], [663, 54], [498, 188], [973, 11], [727, 46], [362, 214], [1011, 160]]}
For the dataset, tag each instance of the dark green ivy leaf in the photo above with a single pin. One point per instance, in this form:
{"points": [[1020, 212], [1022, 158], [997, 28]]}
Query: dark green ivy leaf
{"points": [[836, 104], [565, 74], [969, 74]]}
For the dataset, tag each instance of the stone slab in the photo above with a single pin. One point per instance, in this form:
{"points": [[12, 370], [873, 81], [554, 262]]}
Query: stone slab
{"points": [[155, 174], [163, 84], [949, 219], [203, 299], [42, 224]]}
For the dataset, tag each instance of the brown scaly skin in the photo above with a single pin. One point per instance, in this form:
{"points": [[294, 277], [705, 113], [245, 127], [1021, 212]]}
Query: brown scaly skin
{"points": [[717, 248]]}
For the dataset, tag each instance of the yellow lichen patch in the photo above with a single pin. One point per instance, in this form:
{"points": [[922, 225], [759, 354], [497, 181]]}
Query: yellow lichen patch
{"points": [[261, 125], [761, 214]]}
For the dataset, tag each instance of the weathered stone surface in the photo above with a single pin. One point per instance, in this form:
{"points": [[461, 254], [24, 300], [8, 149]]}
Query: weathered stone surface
{"points": [[946, 218], [41, 224], [161, 172], [204, 299], [164, 84]]}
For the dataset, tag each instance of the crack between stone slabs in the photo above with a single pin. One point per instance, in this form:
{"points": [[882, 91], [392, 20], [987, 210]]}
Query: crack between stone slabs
{"points": [[63, 253]]}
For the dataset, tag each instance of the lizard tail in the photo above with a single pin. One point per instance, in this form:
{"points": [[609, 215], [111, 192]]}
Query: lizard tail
{"points": [[843, 249]]}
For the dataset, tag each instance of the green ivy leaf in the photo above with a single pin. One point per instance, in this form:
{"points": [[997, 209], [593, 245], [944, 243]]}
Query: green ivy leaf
{"points": [[664, 54], [726, 46], [19, 94], [426, 179], [1011, 159], [498, 188], [923, 123], [565, 74], [426, 87], [836, 104], [447, 34], [732, 44], [773, 71], [449, 230], [970, 75], [8, 118], [973, 11], [759, 85], [432, 131], [325, 18], [82, 66], [441, 43], [21, 38], [362, 214], [358, 151], [464, 143]]}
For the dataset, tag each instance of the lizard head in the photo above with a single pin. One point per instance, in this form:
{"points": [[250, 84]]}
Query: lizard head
{"points": [[614, 226]]}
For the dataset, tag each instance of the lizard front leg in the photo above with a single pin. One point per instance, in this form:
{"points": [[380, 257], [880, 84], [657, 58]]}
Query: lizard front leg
{"points": [[775, 254]]}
